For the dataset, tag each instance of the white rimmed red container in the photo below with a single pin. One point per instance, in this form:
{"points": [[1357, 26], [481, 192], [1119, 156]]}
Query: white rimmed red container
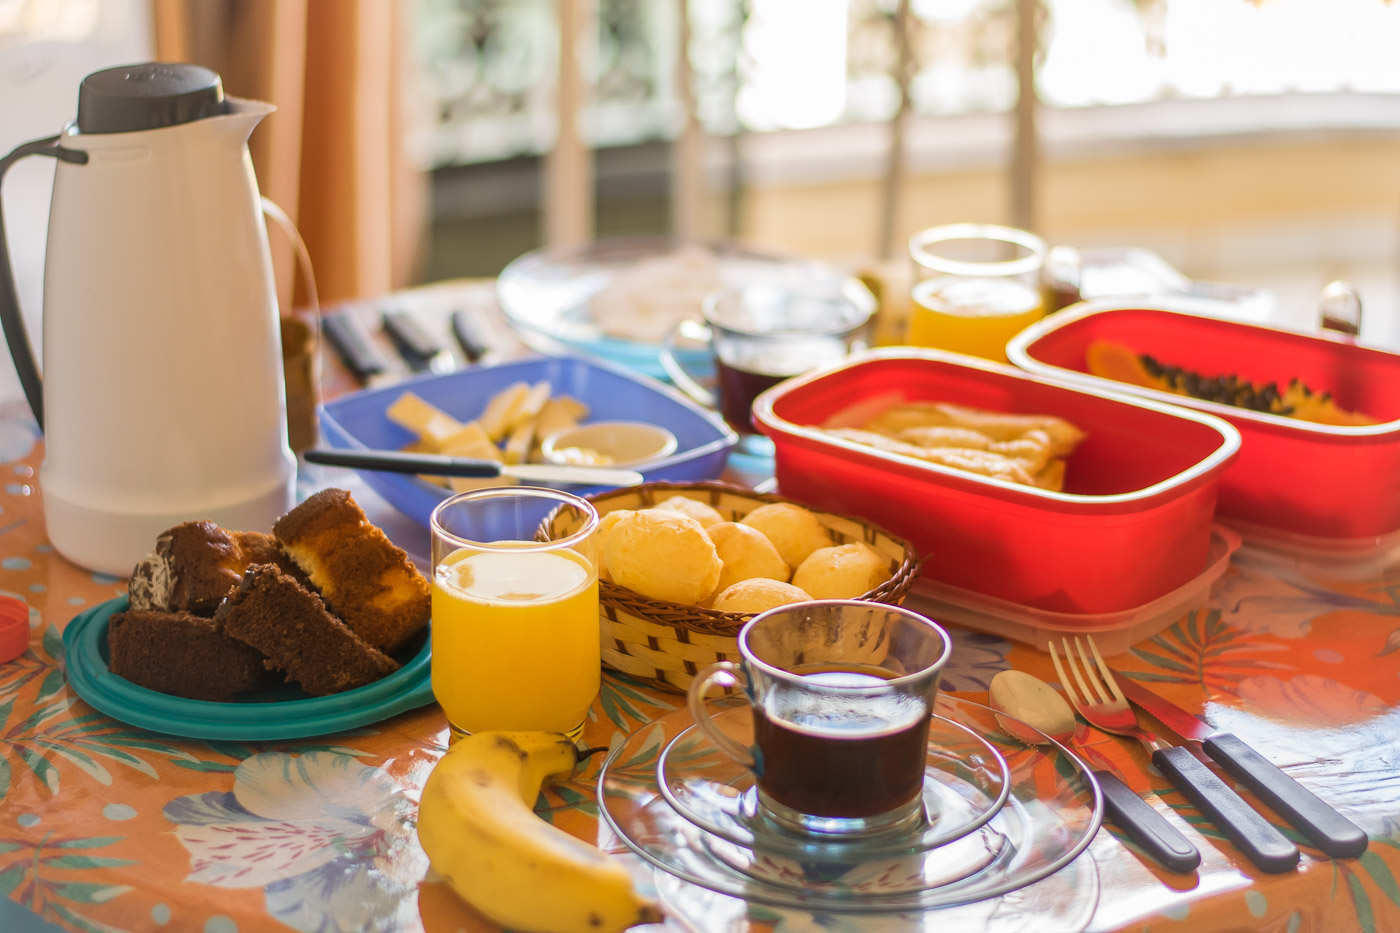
{"points": [[1325, 489], [1132, 524]]}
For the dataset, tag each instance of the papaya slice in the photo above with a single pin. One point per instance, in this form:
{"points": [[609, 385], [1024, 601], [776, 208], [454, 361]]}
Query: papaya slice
{"points": [[1114, 361], [1111, 360]]}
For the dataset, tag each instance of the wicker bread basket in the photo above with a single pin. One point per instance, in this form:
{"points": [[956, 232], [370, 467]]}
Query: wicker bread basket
{"points": [[665, 644]]}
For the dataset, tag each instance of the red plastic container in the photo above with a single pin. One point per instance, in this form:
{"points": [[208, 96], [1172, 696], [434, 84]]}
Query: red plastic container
{"points": [[1132, 524], [1295, 483]]}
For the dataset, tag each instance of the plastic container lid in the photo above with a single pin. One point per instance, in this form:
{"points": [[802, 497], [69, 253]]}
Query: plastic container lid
{"points": [[14, 628], [1331, 558], [1114, 632]]}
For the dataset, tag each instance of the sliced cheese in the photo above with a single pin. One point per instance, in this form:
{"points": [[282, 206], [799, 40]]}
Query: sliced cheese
{"points": [[471, 434], [499, 416], [530, 406], [556, 415], [424, 419], [472, 441], [573, 406], [521, 439]]}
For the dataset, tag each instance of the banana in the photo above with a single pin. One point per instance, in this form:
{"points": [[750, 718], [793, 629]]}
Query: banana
{"points": [[478, 828]]}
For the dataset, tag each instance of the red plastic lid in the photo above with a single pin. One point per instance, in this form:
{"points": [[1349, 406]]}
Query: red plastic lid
{"points": [[14, 628]]}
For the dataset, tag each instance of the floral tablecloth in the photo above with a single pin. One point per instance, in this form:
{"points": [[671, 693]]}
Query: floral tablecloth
{"points": [[107, 827]]}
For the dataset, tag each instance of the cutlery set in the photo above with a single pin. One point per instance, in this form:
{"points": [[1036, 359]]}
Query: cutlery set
{"points": [[419, 348], [1099, 698]]}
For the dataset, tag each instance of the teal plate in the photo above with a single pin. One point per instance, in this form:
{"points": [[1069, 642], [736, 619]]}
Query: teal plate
{"points": [[282, 712]]}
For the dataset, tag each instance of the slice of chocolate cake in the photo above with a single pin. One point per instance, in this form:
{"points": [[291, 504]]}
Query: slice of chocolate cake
{"points": [[182, 654], [287, 622], [195, 565], [366, 580]]}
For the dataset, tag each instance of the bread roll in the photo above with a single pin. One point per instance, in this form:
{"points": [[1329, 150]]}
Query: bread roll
{"points": [[758, 594], [842, 572], [662, 555], [746, 554], [794, 531], [605, 526], [700, 511]]}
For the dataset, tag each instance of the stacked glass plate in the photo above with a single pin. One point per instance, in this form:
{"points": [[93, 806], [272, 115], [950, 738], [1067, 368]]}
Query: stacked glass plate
{"points": [[999, 816]]}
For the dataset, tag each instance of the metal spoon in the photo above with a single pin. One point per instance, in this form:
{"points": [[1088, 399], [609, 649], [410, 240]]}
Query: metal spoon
{"points": [[1031, 701]]}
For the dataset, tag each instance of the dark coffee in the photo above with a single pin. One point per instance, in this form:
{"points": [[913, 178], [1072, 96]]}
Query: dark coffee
{"points": [[841, 756], [737, 390]]}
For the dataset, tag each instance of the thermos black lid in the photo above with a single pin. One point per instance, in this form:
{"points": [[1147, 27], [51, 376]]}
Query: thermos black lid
{"points": [[148, 96]]}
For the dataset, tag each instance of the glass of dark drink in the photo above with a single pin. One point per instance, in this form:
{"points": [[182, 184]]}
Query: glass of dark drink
{"points": [[761, 335], [842, 692]]}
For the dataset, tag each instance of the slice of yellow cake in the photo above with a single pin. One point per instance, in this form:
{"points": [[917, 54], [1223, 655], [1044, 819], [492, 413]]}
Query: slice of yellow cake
{"points": [[364, 578]]}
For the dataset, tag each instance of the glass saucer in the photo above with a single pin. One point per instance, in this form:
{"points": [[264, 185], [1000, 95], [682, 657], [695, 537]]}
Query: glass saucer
{"points": [[965, 783], [1052, 812], [869, 875]]}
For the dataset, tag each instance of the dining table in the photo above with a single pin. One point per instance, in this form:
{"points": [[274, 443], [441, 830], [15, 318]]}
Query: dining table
{"points": [[106, 826]]}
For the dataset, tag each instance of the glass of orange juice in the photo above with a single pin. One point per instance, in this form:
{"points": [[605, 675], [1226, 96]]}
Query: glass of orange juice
{"points": [[975, 287], [515, 620]]}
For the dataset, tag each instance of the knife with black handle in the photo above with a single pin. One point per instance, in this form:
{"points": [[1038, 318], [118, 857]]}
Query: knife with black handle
{"points": [[1323, 826], [471, 334], [398, 461], [1255, 836], [355, 346], [420, 349]]}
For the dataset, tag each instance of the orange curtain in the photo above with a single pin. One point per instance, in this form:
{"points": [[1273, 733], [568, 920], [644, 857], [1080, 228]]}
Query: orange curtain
{"points": [[334, 154]]}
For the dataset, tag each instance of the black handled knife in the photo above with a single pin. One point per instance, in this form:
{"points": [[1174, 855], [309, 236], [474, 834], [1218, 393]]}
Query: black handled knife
{"points": [[419, 347], [1323, 826], [355, 346], [397, 461], [472, 334]]}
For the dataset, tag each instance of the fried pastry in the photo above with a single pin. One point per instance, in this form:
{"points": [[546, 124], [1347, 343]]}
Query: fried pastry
{"points": [[997, 426], [1024, 449]]}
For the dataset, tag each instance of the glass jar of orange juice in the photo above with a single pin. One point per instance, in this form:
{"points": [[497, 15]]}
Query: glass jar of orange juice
{"points": [[975, 287], [515, 621]]}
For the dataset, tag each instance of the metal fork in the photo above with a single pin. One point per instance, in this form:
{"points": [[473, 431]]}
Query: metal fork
{"points": [[1100, 701]]}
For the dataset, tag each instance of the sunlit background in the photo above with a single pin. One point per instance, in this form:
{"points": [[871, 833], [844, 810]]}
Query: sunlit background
{"points": [[1249, 140]]}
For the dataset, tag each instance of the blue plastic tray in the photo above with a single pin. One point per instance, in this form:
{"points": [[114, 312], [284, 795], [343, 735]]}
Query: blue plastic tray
{"points": [[611, 392], [283, 712]]}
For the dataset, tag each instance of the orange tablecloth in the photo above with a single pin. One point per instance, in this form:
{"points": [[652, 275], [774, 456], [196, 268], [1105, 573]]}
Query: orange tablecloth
{"points": [[107, 827]]}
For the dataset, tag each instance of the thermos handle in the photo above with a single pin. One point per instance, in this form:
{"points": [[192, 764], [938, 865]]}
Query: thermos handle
{"points": [[21, 350]]}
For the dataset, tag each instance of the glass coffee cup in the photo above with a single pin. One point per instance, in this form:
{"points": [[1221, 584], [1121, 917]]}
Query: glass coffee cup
{"points": [[760, 335], [842, 692], [975, 287]]}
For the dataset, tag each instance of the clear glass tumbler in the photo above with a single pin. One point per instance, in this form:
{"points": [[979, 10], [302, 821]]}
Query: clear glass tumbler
{"points": [[975, 287], [515, 621]]}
